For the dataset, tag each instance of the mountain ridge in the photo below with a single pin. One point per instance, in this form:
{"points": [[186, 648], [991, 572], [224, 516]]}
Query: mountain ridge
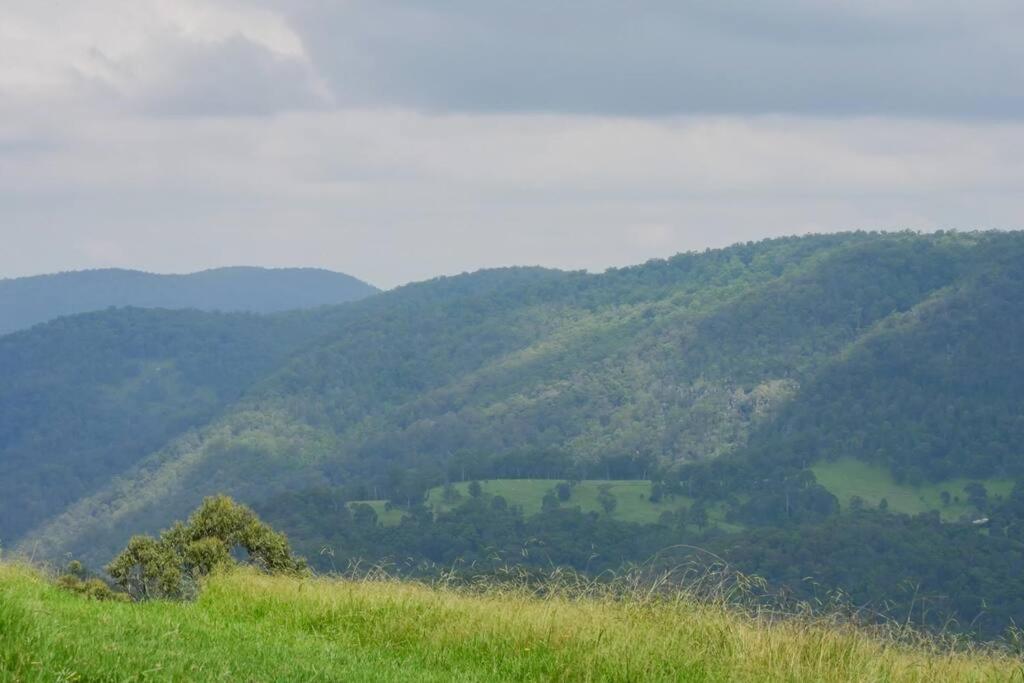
{"points": [[531, 344], [722, 379], [27, 301]]}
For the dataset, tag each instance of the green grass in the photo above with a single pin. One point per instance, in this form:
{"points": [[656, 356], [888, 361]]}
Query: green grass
{"points": [[848, 477], [385, 516], [844, 478], [632, 497], [251, 627]]}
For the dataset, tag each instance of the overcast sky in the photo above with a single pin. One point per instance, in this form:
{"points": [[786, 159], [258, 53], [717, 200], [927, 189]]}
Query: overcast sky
{"points": [[401, 140]]}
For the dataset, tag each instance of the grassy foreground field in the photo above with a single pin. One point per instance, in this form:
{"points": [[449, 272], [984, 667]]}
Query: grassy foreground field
{"points": [[251, 627]]}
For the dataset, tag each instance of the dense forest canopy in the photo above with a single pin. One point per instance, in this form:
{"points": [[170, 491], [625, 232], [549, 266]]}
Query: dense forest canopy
{"points": [[719, 378]]}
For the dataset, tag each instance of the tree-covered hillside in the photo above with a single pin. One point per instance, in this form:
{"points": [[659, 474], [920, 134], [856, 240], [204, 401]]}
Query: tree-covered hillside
{"points": [[31, 300], [84, 398], [932, 394], [722, 376]]}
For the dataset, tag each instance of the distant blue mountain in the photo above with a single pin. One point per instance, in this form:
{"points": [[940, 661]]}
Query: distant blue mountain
{"points": [[30, 300]]}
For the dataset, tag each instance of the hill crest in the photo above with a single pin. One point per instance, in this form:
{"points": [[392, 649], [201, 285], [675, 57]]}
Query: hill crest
{"points": [[27, 301]]}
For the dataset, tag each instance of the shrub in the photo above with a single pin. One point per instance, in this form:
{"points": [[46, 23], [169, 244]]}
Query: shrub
{"points": [[171, 566], [606, 499], [564, 490], [77, 580]]}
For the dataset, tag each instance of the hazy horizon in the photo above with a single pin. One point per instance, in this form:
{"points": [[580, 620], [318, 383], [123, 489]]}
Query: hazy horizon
{"points": [[383, 288]]}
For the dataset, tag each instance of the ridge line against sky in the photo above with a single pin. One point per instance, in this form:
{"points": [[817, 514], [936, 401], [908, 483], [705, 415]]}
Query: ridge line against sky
{"points": [[397, 141], [183, 273]]}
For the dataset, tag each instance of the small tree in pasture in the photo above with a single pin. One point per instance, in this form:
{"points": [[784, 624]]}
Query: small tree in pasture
{"points": [[170, 566]]}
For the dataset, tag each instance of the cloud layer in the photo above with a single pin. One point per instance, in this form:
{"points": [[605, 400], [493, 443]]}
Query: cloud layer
{"points": [[402, 140], [950, 58]]}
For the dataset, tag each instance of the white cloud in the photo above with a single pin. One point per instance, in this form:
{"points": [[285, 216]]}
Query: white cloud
{"points": [[124, 54]]}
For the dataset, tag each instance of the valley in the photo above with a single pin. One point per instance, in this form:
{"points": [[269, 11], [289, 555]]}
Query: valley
{"points": [[798, 393]]}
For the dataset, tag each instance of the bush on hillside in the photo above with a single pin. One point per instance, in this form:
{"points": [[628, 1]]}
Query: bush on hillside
{"points": [[171, 566], [78, 580]]}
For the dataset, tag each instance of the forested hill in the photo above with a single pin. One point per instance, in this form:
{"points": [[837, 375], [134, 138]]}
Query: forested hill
{"points": [[85, 397], [111, 425], [30, 300]]}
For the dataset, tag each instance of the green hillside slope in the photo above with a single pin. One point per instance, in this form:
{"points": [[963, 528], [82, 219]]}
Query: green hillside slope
{"points": [[85, 398], [521, 370], [931, 394], [728, 378], [531, 373]]}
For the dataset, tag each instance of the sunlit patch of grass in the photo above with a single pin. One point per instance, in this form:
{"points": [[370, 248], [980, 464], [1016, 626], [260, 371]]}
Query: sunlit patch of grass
{"points": [[847, 477], [249, 626], [632, 496], [386, 514]]}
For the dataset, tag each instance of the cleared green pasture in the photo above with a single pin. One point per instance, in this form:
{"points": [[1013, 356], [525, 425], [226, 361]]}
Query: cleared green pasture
{"points": [[385, 516], [848, 477], [633, 503]]}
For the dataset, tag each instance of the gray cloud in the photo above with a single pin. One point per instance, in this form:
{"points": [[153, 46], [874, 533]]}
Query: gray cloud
{"points": [[937, 59], [941, 59]]}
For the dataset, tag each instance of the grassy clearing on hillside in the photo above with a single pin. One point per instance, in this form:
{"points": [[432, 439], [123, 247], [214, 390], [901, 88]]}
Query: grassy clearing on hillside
{"points": [[385, 516], [848, 477], [844, 478], [632, 497], [248, 626]]}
